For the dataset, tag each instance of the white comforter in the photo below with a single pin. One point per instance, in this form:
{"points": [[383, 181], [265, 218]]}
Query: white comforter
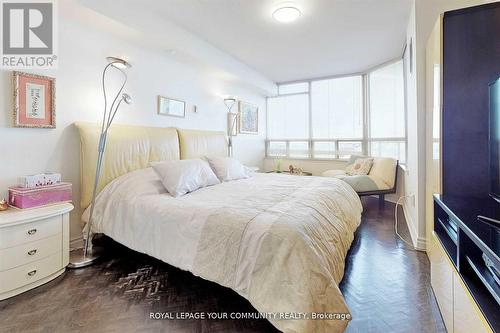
{"points": [[280, 241]]}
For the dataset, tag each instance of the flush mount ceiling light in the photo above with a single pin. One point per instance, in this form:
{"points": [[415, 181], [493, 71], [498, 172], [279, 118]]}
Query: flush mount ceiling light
{"points": [[287, 13]]}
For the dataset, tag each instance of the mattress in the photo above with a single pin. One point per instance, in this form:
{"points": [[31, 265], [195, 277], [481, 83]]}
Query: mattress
{"points": [[280, 241]]}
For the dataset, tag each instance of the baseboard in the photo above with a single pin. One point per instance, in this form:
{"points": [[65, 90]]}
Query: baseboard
{"points": [[418, 242], [422, 243], [410, 225]]}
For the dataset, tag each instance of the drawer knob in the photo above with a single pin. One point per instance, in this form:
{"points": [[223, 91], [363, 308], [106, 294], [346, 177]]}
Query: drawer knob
{"points": [[32, 252], [31, 231], [33, 272]]}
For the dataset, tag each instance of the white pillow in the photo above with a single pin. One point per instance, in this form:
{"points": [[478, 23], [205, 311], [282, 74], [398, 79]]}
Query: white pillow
{"points": [[227, 168], [184, 176]]}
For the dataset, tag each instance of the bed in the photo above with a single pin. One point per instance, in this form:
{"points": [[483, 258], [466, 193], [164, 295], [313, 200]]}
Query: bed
{"points": [[279, 241]]}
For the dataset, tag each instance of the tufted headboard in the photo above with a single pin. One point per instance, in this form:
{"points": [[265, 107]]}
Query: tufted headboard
{"points": [[129, 148]]}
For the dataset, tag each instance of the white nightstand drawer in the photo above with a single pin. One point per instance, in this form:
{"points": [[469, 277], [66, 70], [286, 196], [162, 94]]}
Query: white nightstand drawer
{"points": [[22, 254], [29, 273], [29, 232]]}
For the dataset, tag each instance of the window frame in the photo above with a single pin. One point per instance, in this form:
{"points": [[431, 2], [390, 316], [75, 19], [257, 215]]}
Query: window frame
{"points": [[366, 140]]}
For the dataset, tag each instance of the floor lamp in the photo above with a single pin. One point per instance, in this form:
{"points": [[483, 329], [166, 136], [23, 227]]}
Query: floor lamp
{"points": [[229, 102], [88, 255]]}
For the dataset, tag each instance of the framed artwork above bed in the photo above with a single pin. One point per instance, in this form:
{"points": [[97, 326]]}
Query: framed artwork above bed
{"points": [[249, 118], [171, 107]]}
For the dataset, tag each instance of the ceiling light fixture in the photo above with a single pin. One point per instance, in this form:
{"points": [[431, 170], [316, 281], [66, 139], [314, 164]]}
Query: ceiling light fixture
{"points": [[287, 13]]}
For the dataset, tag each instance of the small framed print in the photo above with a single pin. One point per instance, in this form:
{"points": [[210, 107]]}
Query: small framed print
{"points": [[34, 100], [171, 107], [249, 118]]}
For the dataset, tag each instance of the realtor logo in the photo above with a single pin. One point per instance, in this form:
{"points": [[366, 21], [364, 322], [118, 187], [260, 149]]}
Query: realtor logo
{"points": [[28, 32]]}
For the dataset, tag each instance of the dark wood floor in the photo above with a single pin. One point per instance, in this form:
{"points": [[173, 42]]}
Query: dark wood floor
{"points": [[385, 285]]}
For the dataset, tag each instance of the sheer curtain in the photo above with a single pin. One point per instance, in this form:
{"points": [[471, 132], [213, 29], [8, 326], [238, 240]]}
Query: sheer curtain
{"points": [[288, 125], [387, 129], [337, 117]]}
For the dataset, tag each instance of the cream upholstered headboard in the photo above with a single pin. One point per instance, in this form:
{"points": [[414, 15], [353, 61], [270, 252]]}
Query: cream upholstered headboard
{"points": [[197, 143], [129, 148]]}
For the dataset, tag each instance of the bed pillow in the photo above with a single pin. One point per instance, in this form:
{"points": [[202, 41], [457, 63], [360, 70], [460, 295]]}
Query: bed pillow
{"points": [[184, 176], [361, 166], [227, 168]]}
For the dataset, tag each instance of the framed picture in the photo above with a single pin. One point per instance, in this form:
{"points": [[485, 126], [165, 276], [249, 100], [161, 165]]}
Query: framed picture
{"points": [[34, 100], [171, 107], [249, 118]]}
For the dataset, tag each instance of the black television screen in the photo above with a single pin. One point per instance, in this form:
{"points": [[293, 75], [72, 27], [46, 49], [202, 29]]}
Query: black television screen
{"points": [[495, 139]]}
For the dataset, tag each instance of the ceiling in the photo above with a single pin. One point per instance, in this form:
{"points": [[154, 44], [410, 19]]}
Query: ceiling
{"points": [[332, 37]]}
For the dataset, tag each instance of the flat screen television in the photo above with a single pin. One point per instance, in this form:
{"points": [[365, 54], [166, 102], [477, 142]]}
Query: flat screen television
{"points": [[495, 139]]}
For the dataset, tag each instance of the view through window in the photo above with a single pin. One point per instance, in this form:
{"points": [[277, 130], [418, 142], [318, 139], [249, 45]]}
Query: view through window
{"points": [[339, 117]]}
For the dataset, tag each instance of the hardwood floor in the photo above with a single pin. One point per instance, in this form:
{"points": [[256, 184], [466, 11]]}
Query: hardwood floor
{"points": [[386, 286]]}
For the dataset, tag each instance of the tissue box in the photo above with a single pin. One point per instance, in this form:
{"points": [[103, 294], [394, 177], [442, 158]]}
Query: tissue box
{"points": [[23, 198], [41, 179]]}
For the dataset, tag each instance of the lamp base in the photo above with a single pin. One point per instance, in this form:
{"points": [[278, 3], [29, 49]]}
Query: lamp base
{"points": [[78, 260]]}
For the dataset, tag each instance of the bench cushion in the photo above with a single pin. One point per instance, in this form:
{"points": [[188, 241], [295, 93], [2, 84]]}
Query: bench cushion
{"points": [[360, 183], [381, 176]]}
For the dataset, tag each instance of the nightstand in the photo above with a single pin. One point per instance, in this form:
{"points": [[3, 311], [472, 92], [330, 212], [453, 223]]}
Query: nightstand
{"points": [[34, 247]]}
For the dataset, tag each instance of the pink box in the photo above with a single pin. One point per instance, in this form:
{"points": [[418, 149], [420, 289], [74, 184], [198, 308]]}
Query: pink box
{"points": [[23, 198]]}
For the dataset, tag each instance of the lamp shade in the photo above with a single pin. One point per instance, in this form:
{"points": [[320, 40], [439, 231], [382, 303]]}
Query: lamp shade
{"points": [[229, 102], [118, 62], [126, 98]]}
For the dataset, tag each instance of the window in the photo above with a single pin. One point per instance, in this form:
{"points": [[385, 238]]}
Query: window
{"points": [[337, 114], [298, 149], [324, 150], [293, 88], [395, 149], [277, 149], [288, 125], [337, 108], [331, 119], [348, 148], [288, 117], [387, 135]]}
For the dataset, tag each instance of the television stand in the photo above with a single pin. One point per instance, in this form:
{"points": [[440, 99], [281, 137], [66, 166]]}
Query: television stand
{"points": [[468, 232]]}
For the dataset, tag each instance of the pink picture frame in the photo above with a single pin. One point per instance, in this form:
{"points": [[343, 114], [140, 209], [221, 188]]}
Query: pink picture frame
{"points": [[34, 100]]}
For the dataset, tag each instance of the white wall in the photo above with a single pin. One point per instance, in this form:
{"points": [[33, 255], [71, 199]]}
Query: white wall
{"points": [[413, 204], [85, 39], [421, 21]]}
